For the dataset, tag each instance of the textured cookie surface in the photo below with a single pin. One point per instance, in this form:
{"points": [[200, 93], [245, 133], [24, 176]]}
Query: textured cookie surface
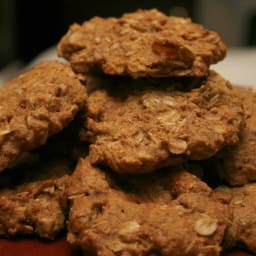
{"points": [[35, 105], [33, 199], [241, 231], [141, 125], [114, 214], [238, 162], [146, 43]]}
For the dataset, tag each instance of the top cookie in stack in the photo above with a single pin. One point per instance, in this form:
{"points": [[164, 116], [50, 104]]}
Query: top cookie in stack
{"points": [[146, 43], [157, 103]]}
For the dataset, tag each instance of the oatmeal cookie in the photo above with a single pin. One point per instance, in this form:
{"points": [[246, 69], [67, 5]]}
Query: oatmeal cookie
{"points": [[141, 125], [241, 231], [33, 198], [36, 105], [113, 214], [146, 43], [237, 164]]}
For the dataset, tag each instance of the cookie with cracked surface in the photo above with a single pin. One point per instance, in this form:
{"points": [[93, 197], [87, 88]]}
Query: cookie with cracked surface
{"points": [[146, 43], [241, 231], [161, 213], [141, 125], [36, 105], [33, 198]]}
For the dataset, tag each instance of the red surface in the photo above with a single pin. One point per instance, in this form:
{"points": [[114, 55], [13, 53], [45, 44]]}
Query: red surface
{"points": [[36, 248], [60, 247]]}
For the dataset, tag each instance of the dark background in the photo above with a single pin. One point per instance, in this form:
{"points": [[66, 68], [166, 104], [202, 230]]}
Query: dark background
{"points": [[50, 19], [29, 27]]}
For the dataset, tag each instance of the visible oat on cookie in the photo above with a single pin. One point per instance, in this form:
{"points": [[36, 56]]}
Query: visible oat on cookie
{"points": [[141, 125], [113, 214], [146, 43], [33, 198], [36, 105]]}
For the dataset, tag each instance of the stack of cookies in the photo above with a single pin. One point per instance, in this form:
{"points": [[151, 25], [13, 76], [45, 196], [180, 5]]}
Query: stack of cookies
{"points": [[133, 146]]}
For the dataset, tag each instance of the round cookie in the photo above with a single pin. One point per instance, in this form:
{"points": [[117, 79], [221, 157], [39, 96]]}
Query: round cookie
{"points": [[113, 214], [36, 105], [145, 43], [141, 125]]}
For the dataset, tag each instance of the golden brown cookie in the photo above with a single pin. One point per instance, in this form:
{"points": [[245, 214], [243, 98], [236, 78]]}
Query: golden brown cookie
{"points": [[141, 125], [145, 43], [36, 105], [113, 214]]}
